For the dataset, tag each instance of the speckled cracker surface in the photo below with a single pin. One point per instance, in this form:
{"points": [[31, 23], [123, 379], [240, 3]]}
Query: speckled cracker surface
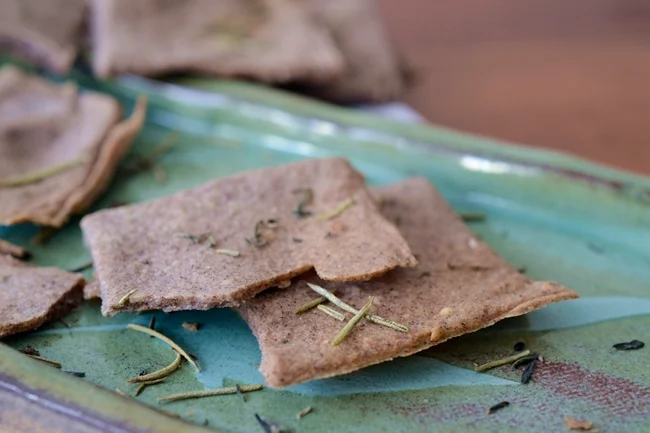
{"points": [[271, 41], [46, 33], [68, 143], [373, 68], [460, 286], [31, 296], [168, 250]]}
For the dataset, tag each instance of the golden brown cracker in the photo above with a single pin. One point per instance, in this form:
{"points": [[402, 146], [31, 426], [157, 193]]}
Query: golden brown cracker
{"points": [[197, 249], [271, 41], [31, 296], [58, 149], [373, 70], [434, 300], [46, 33]]}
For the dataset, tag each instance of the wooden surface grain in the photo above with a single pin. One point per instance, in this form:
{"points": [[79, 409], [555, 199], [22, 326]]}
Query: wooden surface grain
{"points": [[572, 75]]}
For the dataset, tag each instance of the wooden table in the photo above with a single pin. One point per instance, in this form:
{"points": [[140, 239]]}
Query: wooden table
{"points": [[572, 75]]}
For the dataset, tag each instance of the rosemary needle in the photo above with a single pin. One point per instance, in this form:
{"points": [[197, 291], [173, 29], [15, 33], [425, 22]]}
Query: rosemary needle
{"points": [[339, 303], [304, 412], [38, 175], [336, 211], [503, 361], [125, 299], [208, 393], [347, 329], [524, 360], [311, 304], [143, 385], [48, 361], [162, 373], [159, 336], [227, 252], [471, 217], [193, 238], [331, 312]]}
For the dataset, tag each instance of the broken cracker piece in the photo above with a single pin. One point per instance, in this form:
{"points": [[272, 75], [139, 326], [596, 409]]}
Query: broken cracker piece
{"points": [[32, 296], [271, 41], [468, 298], [46, 33], [252, 212], [7, 248], [59, 154]]}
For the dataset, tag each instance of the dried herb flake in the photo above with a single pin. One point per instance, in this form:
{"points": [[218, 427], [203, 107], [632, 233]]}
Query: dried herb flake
{"points": [[630, 345], [528, 372], [304, 412], [525, 360], [498, 406], [325, 216], [519, 346], [347, 329], [159, 374], [342, 305], [307, 198], [167, 340], [209, 393], [502, 361]]}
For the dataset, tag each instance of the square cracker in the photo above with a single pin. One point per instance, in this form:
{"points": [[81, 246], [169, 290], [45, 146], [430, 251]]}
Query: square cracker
{"points": [[137, 247], [45, 126], [31, 296], [460, 286], [373, 71], [47, 33], [266, 40]]}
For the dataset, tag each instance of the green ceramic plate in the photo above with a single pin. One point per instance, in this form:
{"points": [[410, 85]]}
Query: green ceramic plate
{"points": [[561, 218]]}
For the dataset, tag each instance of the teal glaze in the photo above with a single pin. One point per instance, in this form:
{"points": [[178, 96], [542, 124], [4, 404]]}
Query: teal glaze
{"points": [[562, 218]]}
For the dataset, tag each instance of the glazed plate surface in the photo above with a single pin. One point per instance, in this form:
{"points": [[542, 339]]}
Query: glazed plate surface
{"points": [[559, 217]]}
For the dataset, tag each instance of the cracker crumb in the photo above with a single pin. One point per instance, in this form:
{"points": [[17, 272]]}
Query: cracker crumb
{"points": [[284, 284], [446, 312], [336, 227], [437, 333], [574, 424], [191, 326]]}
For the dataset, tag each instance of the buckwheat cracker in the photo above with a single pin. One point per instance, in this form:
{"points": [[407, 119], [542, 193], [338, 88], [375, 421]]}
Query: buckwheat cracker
{"points": [[46, 33], [434, 300], [267, 40], [373, 71], [198, 249], [58, 149], [32, 296]]}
